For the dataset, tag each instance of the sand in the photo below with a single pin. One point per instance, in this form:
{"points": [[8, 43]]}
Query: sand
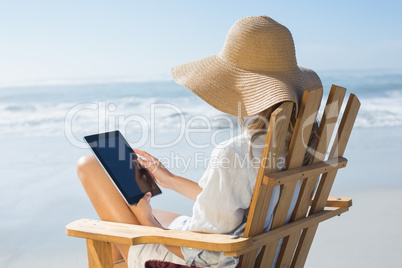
{"points": [[40, 194]]}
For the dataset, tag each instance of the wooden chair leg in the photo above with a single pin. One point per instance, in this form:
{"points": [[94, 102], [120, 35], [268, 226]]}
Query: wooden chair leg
{"points": [[99, 254]]}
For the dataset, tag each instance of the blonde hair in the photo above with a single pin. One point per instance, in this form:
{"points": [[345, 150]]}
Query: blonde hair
{"points": [[259, 126]]}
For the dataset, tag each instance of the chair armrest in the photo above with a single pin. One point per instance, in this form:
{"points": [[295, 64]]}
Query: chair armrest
{"points": [[131, 234], [338, 201]]}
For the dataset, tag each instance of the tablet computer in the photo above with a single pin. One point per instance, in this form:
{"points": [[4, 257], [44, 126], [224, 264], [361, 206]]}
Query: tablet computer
{"points": [[119, 161]]}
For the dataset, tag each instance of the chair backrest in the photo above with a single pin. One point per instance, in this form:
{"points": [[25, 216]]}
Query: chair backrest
{"points": [[311, 199]]}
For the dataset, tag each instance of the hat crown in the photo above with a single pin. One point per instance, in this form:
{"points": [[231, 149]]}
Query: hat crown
{"points": [[259, 43]]}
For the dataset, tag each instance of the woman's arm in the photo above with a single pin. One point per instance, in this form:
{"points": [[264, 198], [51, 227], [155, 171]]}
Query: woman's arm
{"points": [[186, 187], [166, 179]]}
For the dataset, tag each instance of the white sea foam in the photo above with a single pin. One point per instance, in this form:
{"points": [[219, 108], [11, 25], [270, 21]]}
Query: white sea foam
{"points": [[80, 118], [381, 111]]}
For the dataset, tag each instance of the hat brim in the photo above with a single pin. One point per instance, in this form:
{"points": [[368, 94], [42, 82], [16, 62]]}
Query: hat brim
{"points": [[242, 92]]}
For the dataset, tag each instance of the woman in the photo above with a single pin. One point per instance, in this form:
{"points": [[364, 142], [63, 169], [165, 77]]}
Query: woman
{"points": [[255, 72]]}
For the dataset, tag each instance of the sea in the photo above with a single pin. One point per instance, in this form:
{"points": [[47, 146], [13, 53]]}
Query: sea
{"points": [[74, 109]]}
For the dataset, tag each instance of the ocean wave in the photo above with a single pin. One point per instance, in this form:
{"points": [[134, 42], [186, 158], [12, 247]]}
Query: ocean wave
{"points": [[17, 107], [381, 112]]}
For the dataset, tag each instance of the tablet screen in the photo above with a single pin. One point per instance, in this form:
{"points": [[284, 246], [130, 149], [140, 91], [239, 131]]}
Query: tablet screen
{"points": [[118, 159]]}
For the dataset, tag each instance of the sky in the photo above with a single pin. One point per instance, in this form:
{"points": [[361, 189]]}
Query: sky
{"points": [[88, 40]]}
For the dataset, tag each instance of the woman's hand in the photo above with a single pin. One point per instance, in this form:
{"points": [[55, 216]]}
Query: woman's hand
{"points": [[162, 176], [143, 211], [166, 179]]}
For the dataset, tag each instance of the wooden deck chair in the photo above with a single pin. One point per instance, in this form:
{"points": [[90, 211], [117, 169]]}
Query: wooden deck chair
{"points": [[313, 205]]}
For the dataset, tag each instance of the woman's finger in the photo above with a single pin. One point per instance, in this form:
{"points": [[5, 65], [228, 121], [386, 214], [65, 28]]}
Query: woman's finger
{"points": [[147, 197], [151, 166], [143, 162], [144, 154], [139, 152]]}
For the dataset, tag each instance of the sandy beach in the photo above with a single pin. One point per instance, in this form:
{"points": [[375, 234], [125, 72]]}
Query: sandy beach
{"points": [[42, 194]]}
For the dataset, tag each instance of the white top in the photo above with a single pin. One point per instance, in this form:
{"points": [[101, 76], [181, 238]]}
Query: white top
{"points": [[222, 206]]}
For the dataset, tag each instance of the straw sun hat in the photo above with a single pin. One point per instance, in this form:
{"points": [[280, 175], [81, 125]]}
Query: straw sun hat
{"points": [[255, 70]]}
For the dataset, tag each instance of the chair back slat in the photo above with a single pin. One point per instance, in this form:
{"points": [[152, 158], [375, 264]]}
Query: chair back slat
{"points": [[337, 150], [301, 134], [274, 147], [327, 179], [324, 133]]}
